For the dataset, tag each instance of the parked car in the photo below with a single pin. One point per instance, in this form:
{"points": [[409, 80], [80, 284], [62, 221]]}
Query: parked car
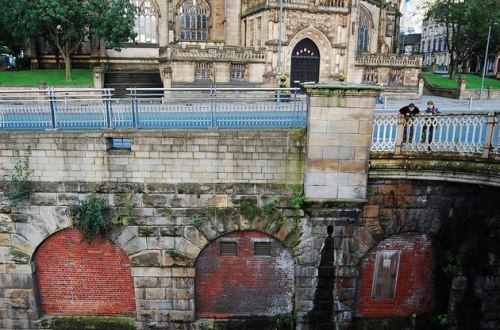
{"points": [[7, 61]]}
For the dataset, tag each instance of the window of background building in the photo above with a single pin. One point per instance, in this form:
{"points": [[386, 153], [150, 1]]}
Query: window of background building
{"points": [[194, 20], [146, 22], [363, 37]]}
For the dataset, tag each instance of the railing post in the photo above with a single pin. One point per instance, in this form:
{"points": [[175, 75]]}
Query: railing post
{"points": [[107, 104], [489, 135], [213, 100], [53, 107], [399, 135], [134, 102]]}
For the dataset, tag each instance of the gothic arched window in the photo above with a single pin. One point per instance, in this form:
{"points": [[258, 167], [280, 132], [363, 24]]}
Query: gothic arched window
{"points": [[194, 20], [146, 21], [363, 32]]}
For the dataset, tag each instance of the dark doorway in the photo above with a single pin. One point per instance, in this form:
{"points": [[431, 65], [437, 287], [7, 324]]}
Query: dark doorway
{"points": [[305, 63]]}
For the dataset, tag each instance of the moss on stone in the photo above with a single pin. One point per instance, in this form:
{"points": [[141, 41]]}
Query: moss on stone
{"points": [[94, 323], [18, 256]]}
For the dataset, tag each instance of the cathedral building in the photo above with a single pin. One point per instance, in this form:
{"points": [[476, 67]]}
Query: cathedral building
{"points": [[252, 42]]}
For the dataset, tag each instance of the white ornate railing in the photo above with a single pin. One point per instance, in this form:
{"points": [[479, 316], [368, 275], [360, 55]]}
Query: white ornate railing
{"points": [[453, 133]]}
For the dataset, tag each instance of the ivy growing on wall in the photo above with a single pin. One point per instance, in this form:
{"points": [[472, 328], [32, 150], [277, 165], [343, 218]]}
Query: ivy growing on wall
{"points": [[18, 178]]}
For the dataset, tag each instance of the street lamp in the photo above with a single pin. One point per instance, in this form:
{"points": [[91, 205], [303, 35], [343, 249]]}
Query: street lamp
{"points": [[485, 59], [280, 28]]}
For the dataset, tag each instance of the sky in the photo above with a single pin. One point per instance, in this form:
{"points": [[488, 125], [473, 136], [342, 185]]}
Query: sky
{"points": [[413, 12]]}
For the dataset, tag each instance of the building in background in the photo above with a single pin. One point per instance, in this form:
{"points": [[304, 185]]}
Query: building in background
{"points": [[434, 44], [250, 42]]}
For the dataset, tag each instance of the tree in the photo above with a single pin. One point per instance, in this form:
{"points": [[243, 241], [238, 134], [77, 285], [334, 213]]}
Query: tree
{"points": [[67, 23], [466, 23]]}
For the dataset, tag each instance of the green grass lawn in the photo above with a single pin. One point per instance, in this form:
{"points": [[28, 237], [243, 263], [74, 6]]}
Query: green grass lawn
{"points": [[53, 77], [472, 81]]}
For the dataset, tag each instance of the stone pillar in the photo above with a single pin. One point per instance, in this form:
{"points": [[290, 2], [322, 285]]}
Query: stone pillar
{"points": [[98, 77], [339, 136], [461, 87]]}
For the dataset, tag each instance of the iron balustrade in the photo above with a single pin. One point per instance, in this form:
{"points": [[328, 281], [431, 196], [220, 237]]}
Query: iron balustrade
{"points": [[70, 109], [212, 107], [471, 133]]}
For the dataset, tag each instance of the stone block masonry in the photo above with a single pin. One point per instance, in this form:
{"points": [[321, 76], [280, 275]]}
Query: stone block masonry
{"points": [[209, 157]]}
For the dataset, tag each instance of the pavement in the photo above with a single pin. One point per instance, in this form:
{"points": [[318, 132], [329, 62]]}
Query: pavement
{"points": [[442, 103]]}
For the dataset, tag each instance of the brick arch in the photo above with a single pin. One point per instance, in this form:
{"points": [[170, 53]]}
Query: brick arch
{"points": [[414, 290], [75, 277], [245, 284]]}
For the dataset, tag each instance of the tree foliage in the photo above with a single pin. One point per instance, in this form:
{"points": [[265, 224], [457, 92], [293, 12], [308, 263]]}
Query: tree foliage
{"points": [[467, 23], [67, 23]]}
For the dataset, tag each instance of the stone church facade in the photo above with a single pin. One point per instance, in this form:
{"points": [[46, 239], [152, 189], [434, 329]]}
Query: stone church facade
{"points": [[250, 42]]}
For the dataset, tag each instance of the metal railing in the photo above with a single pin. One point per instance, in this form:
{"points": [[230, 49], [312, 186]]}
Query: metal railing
{"points": [[477, 133], [152, 108]]}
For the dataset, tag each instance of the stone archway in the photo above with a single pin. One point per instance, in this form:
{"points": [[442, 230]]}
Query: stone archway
{"points": [[75, 277], [244, 274], [305, 63]]}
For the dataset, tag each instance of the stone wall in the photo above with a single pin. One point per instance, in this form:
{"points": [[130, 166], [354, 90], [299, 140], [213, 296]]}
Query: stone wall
{"points": [[209, 157]]}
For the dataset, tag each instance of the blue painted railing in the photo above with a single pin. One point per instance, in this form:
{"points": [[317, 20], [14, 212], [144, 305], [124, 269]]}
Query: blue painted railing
{"points": [[80, 109]]}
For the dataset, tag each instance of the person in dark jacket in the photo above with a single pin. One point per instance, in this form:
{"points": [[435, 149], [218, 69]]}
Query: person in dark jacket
{"points": [[431, 110], [408, 111]]}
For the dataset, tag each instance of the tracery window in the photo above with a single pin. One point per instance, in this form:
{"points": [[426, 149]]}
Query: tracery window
{"points": [[146, 21], [239, 72], [396, 77], [203, 71], [369, 76], [194, 17], [363, 33]]}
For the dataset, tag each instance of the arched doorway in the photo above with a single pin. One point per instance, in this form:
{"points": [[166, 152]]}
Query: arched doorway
{"points": [[244, 274], [75, 277], [305, 62]]}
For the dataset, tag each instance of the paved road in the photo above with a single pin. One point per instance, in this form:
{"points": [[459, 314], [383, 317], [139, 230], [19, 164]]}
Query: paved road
{"points": [[443, 103]]}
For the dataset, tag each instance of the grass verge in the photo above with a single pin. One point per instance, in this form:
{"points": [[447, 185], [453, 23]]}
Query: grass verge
{"points": [[53, 77], [472, 81]]}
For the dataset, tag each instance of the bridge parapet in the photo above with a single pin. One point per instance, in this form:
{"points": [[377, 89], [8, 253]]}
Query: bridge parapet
{"points": [[339, 121]]}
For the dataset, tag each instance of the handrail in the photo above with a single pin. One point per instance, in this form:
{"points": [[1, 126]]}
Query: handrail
{"points": [[225, 107], [472, 133]]}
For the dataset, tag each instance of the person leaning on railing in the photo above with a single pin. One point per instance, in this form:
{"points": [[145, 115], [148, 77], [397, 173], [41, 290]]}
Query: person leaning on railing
{"points": [[408, 111], [431, 110]]}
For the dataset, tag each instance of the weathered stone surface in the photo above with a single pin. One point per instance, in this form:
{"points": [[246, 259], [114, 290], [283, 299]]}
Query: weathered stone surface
{"points": [[160, 243], [195, 236], [176, 258], [185, 246], [171, 231], [44, 199], [135, 245], [146, 258]]}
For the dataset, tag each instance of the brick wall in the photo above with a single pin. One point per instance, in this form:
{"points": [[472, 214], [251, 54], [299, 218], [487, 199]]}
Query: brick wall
{"points": [[78, 278], [415, 291], [244, 285]]}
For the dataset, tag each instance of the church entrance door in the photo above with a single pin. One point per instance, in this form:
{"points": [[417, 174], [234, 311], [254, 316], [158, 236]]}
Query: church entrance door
{"points": [[305, 63]]}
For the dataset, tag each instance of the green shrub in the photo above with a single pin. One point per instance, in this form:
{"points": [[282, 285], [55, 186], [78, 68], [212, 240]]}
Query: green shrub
{"points": [[18, 179], [92, 216]]}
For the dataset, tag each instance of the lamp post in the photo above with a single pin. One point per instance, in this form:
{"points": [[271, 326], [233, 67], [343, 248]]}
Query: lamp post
{"points": [[280, 28], [485, 60], [280, 31]]}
